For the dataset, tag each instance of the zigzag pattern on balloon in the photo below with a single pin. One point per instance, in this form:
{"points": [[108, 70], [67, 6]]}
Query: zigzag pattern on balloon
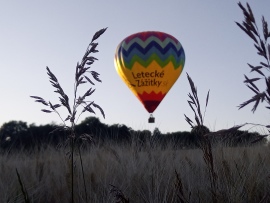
{"points": [[158, 96], [152, 47], [144, 42], [154, 57], [148, 34], [155, 50]]}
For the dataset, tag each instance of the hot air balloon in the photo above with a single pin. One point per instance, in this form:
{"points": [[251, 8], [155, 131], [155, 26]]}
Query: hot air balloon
{"points": [[149, 63]]}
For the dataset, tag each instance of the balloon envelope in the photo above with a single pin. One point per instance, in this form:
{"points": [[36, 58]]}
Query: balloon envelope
{"points": [[150, 63]]}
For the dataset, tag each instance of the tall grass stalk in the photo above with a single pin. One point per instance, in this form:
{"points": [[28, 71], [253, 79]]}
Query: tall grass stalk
{"points": [[81, 77], [200, 131], [23, 189], [83, 174], [262, 45]]}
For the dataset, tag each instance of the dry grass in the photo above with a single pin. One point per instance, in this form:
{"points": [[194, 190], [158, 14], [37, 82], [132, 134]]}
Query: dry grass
{"points": [[262, 45], [82, 70], [152, 175]]}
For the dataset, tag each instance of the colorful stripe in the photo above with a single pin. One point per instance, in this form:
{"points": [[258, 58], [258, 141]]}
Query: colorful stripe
{"points": [[151, 100], [145, 48]]}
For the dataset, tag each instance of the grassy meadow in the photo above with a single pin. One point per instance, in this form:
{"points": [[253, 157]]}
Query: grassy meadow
{"points": [[130, 173], [115, 173]]}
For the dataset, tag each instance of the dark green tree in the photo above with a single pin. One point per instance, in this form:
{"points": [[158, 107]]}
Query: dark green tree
{"points": [[14, 134]]}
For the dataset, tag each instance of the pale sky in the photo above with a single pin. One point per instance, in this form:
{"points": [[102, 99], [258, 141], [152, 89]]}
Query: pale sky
{"points": [[36, 34]]}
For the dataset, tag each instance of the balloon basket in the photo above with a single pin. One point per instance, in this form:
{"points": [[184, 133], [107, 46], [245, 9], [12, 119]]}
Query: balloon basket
{"points": [[151, 119]]}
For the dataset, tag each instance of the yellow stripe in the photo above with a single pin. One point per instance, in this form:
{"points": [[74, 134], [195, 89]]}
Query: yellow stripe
{"points": [[152, 78]]}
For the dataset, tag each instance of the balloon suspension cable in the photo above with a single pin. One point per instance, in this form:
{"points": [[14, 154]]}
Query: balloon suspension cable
{"points": [[151, 119]]}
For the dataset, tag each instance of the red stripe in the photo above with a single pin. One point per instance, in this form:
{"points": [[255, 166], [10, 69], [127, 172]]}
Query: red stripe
{"points": [[151, 100]]}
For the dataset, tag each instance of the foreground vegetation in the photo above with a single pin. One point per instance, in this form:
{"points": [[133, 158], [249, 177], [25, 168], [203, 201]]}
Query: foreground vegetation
{"points": [[125, 173], [123, 165]]}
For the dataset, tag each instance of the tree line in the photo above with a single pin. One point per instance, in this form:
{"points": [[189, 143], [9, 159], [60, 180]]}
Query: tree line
{"points": [[19, 135]]}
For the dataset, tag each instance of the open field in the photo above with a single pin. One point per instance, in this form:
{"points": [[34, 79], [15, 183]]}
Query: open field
{"points": [[149, 175]]}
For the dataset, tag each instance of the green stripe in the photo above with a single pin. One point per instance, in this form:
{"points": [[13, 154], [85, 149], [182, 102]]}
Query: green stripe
{"points": [[154, 57]]}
